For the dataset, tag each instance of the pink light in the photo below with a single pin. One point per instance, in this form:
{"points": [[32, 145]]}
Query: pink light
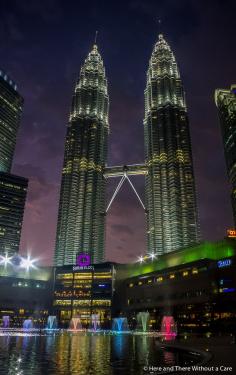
{"points": [[168, 327]]}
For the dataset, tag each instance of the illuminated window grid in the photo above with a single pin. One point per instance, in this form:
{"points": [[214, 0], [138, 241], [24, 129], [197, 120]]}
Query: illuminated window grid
{"points": [[82, 302], [63, 293], [102, 275], [63, 276], [83, 284], [67, 283], [62, 302], [82, 276], [101, 302], [82, 293]]}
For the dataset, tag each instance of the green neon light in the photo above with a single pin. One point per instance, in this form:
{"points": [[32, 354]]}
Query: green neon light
{"points": [[207, 250]]}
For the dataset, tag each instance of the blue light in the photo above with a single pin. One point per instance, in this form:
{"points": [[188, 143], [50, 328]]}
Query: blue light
{"points": [[228, 290], [224, 263]]}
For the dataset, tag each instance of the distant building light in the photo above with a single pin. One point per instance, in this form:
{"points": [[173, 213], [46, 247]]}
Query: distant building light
{"points": [[5, 260], [152, 256], [231, 233], [141, 259], [228, 290], [224, 263], [27, 263], [185, 273]]}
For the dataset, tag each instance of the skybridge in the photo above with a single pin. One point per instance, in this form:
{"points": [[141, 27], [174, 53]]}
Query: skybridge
{"points": [[124, 172]]}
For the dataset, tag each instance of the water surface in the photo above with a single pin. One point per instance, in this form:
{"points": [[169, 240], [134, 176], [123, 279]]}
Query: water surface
{"points": [[84, 354]]}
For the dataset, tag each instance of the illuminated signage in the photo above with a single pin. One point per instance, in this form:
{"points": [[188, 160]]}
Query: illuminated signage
{"points": [[224, 263], [231, 233], [83, 263], [83, 260], [83, 268]]}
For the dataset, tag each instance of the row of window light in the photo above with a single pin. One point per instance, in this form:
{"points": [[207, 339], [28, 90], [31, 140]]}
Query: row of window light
{"points": [[160, 278]]}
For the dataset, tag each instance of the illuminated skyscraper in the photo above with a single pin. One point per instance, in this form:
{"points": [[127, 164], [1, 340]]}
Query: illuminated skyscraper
{"points": [[170, 187], [81, 215], [13, 189], [10, 113], [226, 103]]}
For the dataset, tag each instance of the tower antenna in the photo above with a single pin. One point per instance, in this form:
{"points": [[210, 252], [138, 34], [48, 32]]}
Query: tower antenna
{"points": [[95, 39], [159, 26]]}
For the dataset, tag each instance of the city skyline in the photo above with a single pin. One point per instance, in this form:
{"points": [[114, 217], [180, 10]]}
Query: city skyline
{"points": [[128, 107]]}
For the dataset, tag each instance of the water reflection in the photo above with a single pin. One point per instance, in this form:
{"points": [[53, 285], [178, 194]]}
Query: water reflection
{"points": [[82, 353]]}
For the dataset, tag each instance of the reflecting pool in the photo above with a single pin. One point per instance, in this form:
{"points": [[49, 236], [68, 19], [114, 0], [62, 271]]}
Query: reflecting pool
{"points": [[85, 353]]}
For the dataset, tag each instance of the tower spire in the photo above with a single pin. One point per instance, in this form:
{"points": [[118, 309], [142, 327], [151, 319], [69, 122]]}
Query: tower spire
{"points": [[96, 35], [159, 26]]}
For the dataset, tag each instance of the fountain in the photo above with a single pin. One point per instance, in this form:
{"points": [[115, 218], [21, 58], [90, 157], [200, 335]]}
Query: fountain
{"points": [[95, 321], [168, 327], [28, 324], [120, 325], [75, 323], [142, 320], [6, 321], [51, 322]]}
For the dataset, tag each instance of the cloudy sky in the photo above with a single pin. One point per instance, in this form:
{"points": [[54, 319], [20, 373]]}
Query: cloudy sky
{"points": [[42, 46]]}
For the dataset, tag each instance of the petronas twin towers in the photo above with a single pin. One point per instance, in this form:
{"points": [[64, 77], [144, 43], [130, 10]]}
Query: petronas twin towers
{"points": [[172, 221]]}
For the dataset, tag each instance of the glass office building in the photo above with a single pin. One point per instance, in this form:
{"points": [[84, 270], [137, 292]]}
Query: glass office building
{"points": [[226, 103], [13, 190], [82, 292], [11, 104]]}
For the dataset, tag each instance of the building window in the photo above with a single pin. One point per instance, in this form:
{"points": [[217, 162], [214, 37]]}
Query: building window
{"points": [[101, 302], [62, 302]]}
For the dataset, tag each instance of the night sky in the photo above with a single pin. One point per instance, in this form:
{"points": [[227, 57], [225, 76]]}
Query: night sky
{"points": [[42, 46]]}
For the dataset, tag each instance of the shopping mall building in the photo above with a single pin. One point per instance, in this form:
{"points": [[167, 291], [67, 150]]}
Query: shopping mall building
{"points": [[196, 285]]}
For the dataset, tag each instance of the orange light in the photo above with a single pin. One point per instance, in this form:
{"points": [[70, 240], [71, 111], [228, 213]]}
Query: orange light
{"points": [[231, 233]]}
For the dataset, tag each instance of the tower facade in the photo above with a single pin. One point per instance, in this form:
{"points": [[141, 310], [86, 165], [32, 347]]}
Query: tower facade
{"points": [[13, 190], [226, 103], [172, 221], [11, 104], [81, 217]]}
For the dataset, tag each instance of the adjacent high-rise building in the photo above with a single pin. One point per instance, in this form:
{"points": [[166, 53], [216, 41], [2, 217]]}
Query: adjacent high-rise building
{"points": [[13, 190], [226, 102], [81, 217], [11, 104], [170, 187]]}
